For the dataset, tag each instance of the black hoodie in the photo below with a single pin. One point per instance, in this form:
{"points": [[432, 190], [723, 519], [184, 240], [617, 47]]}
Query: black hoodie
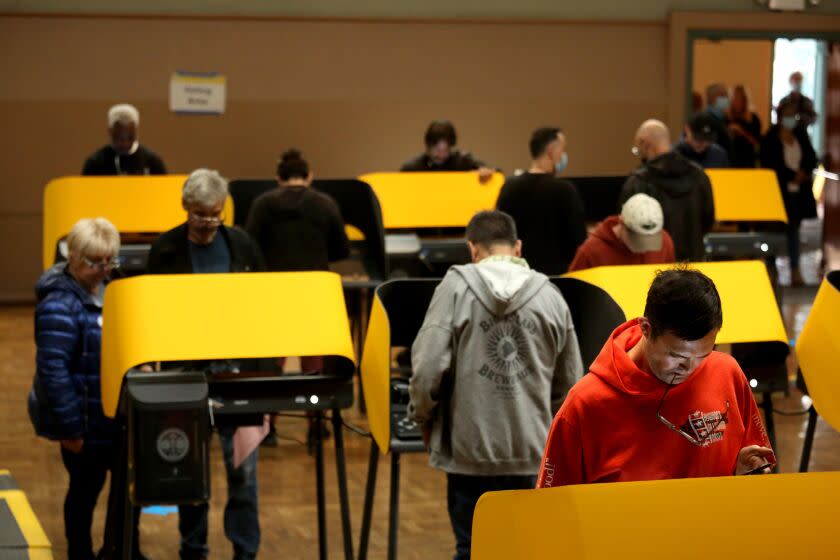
{"points": [[685, 193]]}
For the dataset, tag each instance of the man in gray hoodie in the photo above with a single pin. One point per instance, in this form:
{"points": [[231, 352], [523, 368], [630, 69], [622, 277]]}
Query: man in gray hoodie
{"points": [[493, 361]]}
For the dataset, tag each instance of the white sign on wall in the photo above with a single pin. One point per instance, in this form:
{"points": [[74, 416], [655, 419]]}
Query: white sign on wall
{"points": [[195, 92]]}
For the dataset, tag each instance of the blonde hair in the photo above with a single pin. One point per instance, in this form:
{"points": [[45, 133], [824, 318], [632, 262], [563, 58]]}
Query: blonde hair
{"points": [[93, 236], [123, 114]]}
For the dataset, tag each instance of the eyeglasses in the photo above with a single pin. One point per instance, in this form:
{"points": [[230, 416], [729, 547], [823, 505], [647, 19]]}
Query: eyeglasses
{"points": [[699, 422], [102, 265], [206, 220]]}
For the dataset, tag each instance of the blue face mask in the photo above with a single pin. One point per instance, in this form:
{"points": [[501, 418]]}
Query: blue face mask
{"points": [[722, 104], [561, 165], [790, 122]]}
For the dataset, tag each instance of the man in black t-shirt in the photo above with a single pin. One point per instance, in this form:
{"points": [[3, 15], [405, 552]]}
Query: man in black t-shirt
{"points": [[124, 155], [441, 155], [547, 210]]}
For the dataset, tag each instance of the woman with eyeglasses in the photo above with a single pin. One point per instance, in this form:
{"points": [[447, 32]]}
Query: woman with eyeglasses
{"points": [[66, 403]]}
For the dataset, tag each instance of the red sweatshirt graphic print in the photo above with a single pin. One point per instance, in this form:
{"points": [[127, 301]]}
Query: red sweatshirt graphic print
{"points": [[608, 431]]}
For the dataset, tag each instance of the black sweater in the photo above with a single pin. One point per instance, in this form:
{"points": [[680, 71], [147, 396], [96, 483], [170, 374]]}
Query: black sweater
{"points": [[457, 161], [142, 162], [549, 218], [297, 228], [170, 253]]}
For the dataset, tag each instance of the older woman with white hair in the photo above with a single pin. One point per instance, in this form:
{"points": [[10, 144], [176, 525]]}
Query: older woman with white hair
{"points": [[65, 403], [124, 155]]}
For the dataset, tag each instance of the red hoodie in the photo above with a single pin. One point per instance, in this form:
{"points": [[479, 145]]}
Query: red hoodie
{"points": [[607, 429], [603, 248]]}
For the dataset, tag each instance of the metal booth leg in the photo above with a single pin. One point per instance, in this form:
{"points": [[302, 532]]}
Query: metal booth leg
{"points": [[317, 420], [394, 507], [370, 489], [809, 439], [119, 520], [341, 471], [769, 424]]}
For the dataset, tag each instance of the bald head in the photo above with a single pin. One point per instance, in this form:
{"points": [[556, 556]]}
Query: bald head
{"points": [[652, 139]]}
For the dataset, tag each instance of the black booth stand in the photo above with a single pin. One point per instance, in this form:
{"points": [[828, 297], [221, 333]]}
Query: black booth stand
{"points": [[169, 415]]}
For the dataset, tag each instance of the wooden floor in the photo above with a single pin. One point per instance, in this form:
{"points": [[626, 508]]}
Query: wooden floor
{"points": [[287, 476]]}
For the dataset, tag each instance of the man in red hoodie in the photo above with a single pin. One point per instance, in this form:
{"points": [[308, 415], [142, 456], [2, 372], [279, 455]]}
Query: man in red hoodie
{"points": [[635, 237], [659, 402]]}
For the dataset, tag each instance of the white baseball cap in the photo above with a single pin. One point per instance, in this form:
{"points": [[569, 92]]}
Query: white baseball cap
{"points": [[643, 220]]}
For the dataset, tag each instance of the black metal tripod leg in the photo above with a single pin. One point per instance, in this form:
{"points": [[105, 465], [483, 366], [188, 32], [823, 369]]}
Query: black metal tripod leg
{"points": [[809, 439], [769, 424], [394, 508], [341, 471], [370, 490], [317, 421]]}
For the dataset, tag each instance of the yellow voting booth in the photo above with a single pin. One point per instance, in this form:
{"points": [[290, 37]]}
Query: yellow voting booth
{"points": [[226, 316], [752, 322], [747, 195], [774, 517], [750, 313], [134, 204], [432, 200], [21, 534], [817, 349]]}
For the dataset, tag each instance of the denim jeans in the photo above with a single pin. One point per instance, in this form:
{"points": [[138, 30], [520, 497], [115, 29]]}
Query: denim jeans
{"points": [[462, 494], [242, 524]]}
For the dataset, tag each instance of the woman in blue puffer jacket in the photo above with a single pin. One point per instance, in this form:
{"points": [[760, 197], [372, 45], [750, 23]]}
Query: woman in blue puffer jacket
{"points": [[66, 400]]}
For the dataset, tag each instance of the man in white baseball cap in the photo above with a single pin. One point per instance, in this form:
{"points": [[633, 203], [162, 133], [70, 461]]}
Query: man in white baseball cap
{"points": [[636, 236]]}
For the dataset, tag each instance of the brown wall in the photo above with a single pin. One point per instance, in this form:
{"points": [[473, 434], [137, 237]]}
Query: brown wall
{"points": [[733, 62], [355, 96]]}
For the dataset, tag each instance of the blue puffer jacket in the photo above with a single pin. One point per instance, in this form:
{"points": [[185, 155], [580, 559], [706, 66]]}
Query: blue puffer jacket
{"points": [[68, 328]]}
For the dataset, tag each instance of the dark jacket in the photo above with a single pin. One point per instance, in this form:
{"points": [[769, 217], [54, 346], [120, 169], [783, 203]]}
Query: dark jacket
{"points": [[170, 253], [685, 193], [67, 395], [142, 162], [723, 137], [714, 157], [458, 161], [549, 219], [799, 205], [298, 228]]}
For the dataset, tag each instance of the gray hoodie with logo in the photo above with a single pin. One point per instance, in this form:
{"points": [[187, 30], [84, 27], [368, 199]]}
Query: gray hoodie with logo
{"points": [[493, 361]]}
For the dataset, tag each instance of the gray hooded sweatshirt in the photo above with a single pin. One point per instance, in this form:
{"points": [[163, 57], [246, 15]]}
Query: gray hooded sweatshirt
{"points": [[492, 363]]}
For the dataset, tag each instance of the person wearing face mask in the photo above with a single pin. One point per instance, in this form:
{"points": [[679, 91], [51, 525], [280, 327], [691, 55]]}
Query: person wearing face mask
{"points": [[65, 403], [124, 155], [698, 143], [441, 155], [787, 150], [659, 402], [717, 107], [678, 184], [804, 104], [548, 211]]}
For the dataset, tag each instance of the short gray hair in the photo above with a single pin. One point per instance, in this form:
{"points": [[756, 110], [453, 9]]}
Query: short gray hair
{"points": [[124, 114], [93, 237], [204, 187]]}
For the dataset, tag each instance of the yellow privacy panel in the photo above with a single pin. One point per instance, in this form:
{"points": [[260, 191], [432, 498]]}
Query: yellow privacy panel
{"points": [[689, 519], [747, 195], [433, 199], [818, 347], [216, 316], [134, 204], [26, 521], [750, 312], [376, 375]]}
